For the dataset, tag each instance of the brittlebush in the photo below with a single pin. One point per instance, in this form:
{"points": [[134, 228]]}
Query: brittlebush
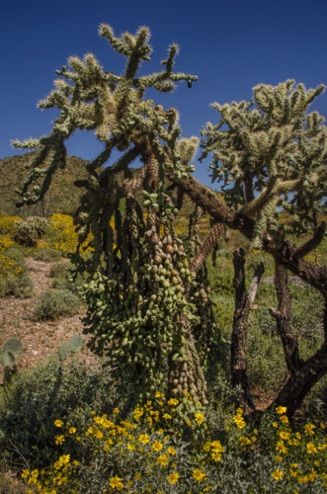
{"points": [[160, 450]]}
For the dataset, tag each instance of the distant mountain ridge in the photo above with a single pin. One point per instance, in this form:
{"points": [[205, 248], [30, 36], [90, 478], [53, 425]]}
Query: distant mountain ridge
{"points": [[62, 196]]}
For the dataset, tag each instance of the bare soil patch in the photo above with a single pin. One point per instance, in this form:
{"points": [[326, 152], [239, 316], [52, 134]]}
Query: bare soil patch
{"points": [[40, 338]]}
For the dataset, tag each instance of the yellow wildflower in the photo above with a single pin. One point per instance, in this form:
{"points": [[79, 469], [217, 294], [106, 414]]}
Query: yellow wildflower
{"points": [[162, 460], [216, 455], [311, 449], [277, 475], [144, 438], [157, 446], [173, 478], [239, 421], [281, 410], [199, 418], [281, 448], [59, 439], [58, 423], [116, 483], [198, 475], [284, 435], [137, 414], [309, 429], [245, 441]]}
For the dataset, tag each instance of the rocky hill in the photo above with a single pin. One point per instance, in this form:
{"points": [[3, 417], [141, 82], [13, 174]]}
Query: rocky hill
{"points": [[62, 196]]}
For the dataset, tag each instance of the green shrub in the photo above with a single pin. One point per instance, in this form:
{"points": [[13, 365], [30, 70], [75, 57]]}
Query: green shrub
{"points": [[46, 254], [29, 231], [17, 253], [58, 270], [56, 303], [59, 273], [159, 449], [36, 398], [19, 286]]}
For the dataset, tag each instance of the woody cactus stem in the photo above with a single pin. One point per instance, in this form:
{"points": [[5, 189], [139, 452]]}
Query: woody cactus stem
{"points": [[186, 375], [207, 247], [243, 303], [282, 316]]}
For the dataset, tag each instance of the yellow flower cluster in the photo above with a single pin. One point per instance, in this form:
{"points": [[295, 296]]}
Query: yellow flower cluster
{"points": [[148, 454], [8, 224], [215, 449], [293, 445], [62, 235], [239, 419], [52, 482], [8, 267]]}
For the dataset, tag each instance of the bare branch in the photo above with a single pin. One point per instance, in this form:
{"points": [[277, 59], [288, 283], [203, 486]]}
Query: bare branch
{"points": [[312, 243]]}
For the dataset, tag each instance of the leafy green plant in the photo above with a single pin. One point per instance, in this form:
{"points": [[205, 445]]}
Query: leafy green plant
{"points": [[20, 286], [46, 254], [37, 397], [149, 452], [55, 303]]}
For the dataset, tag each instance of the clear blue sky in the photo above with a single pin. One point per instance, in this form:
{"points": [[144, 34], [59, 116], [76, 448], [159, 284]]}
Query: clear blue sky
{"points": [[231, 45]]}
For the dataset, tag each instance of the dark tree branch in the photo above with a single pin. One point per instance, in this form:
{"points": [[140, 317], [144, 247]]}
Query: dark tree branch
{"points": [[219, 212], [283, 319], [243, 303], [312, 243], [316, 276]]}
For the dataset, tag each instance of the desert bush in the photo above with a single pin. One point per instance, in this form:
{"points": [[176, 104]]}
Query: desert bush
{"points": [[149, 452], [8, 224], [14, 279], [29, 231], [20, 286], [56, 303], [35, 398], [46, 254], [62, 235], [59, 275]]}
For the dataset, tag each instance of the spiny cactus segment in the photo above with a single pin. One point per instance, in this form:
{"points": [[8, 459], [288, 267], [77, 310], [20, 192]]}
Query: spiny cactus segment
{"points": [[73, 345]]}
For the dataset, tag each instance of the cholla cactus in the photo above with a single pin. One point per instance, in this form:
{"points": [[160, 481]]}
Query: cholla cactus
{"points": [[139, 313], [271, 156], [28, 232]]}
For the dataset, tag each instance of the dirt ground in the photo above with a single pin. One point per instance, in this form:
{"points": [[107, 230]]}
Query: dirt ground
{"points": [[40, 338]]}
